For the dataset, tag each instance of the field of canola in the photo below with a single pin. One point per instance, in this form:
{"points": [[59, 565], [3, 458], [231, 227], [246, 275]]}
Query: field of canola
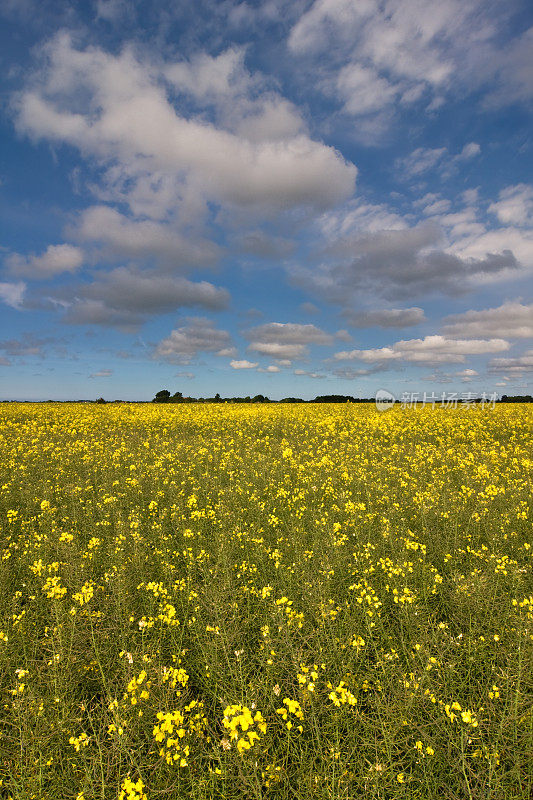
{"points": [[227, 601]]}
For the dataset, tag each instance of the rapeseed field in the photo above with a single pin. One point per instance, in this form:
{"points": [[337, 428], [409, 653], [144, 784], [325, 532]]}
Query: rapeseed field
{"points": [[268, 601]]}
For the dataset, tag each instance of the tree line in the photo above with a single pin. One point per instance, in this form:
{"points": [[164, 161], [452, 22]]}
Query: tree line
{"points": [[164, 396]]}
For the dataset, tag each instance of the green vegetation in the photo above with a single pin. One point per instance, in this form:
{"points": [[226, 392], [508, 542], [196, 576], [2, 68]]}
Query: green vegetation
{"points": [[265, 601]]}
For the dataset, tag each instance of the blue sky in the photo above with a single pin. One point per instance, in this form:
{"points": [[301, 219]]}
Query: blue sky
{"points": [[285, 197]]}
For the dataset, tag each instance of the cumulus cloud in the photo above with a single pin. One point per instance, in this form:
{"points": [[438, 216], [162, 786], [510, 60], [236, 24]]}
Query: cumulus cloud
{"points": [[470, 150], [227, 352], [429, 350], [243, 102], [12, 294], [399, 264], [125, 297], [199, 335], [243, 364], [270, 368], [363, 90], [412, 51], [57, 259], [386, 317], [118, 110], [143, 240], [286, 340], [467, 375], [289, 333], [512, 320], [515, 205], [476, 242], [279, 351], [513, 367]]}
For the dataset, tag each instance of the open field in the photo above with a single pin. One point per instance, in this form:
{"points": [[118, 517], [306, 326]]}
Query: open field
{"points": [[265, 601]]}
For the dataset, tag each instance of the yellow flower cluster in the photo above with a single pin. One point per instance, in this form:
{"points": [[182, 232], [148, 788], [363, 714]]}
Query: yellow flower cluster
{"points": [[53, 589], [341, 695], [174, 729], [132, 790], [245, 727], [85, 594], [80, 741], [290, 707]]}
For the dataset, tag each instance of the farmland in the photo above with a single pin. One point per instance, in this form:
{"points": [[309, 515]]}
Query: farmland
{"points": [[222, 601]]}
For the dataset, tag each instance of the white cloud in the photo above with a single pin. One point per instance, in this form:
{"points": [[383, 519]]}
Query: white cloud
{"points": [[117, 110], [211, 79], [243, 102], [470, 150], [429, 350], [143, 240], [279, 351], [477, 242], [200, 335], [243, 364], [57, 259], [289, 333], [286, 340], [400, 264], [227, 352], [124, 298], [270, 368], [515, 205], [363, 90], [467, 375], [512, 320], [12, 294], [418, 48], [513, 366]]}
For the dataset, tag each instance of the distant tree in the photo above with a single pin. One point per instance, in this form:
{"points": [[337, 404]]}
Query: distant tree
{"points": [[177, 397], [100, 400], [217, 398], [162, 397], [525, 398], [334, 398]]}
